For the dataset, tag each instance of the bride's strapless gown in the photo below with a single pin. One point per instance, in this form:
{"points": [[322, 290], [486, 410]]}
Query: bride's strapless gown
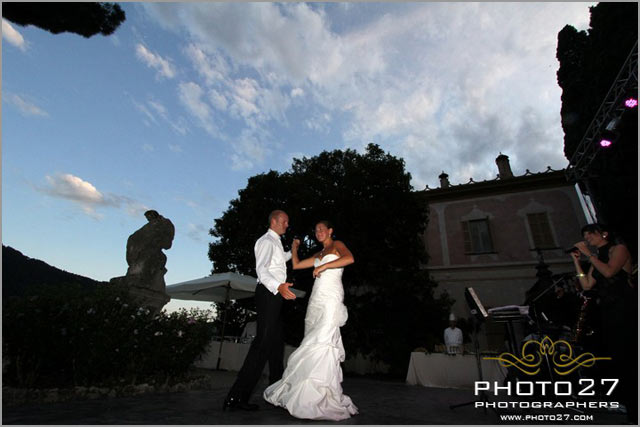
{"points": [[310, 386]]}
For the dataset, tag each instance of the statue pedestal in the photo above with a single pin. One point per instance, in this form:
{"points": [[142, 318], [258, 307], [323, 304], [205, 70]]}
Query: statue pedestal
{"points": [[150, 298]]}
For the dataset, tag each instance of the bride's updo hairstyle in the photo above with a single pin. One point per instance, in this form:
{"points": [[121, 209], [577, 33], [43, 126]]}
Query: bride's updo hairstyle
{"points": [[327, 224]]}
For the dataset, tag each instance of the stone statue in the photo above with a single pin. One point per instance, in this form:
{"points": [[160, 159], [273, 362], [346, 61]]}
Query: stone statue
{"points": [[145, 275]]}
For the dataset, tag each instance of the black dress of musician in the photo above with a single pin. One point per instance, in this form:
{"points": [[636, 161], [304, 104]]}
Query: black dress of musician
{"points": [[618, 305]]}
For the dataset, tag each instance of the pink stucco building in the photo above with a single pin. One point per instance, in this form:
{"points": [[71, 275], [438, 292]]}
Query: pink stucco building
{"points": [[489, 235]]}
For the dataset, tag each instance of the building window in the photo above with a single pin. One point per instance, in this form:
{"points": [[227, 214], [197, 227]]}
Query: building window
{"points": [[477, 237], [540, 231]]}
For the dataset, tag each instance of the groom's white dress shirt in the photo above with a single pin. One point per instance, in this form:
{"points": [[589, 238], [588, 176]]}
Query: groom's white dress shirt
{"points": [[271, 261]]}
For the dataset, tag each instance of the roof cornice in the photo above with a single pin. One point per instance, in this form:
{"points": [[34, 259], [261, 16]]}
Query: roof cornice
{"points": [[528, 181]]}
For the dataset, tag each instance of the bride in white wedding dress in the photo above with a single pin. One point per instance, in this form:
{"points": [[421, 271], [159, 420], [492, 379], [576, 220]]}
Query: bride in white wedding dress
{"points": [[310, 387]]}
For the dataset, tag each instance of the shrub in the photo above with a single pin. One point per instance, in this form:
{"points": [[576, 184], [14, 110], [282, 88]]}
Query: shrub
{"points": [[70, 335]]}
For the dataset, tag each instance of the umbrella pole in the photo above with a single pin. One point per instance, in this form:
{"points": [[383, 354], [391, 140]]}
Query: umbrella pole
{"points": [[224, 321]]}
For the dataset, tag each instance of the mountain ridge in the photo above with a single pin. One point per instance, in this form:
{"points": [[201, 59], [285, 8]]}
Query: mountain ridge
{"points": [[20, 273]]}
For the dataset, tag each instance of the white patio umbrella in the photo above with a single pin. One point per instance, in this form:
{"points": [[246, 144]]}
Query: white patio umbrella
{"points": [[219, 287]]}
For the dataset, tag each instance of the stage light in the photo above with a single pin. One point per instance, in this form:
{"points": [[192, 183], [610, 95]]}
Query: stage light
{"points": [[613, 124], [605, 143], [631, 103]]}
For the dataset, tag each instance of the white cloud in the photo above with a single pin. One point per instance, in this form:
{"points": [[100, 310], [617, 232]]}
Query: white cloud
{"points": [[159, 108], [191, 96], [212, 67], [218, 100], [319, 123], [245, 92], [198, 232], [444, 85], [283, 42], [153, 108], [152, 60], [145, 111], [132, 207], [27, 108], [87, 196], [71, 187], [239, 162], [180, 126], [13, 36], [467, 93], [249, 149]]}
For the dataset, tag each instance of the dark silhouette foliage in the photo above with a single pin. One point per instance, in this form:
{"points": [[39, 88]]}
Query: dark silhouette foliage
{"points": [[71, 336], [369, 199], [61, 329], [589, 63], [86, 19]]}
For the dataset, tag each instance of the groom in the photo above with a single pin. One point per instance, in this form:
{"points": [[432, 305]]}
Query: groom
{"points": [[272, 290]]}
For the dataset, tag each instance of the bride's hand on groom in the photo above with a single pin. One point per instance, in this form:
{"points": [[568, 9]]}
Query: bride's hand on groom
{"points": [[317, 271]]}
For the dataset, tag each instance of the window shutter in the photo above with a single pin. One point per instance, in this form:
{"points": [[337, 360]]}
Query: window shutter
{"points": [[477, 236], [467, 237], [489, 242], [540, 230]]}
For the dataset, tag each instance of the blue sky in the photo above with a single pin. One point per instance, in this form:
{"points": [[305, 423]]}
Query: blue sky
{"points": [[186, 101]]}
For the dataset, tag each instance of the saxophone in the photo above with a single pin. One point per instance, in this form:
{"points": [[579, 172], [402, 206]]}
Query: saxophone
{"points": [[581, 329]]}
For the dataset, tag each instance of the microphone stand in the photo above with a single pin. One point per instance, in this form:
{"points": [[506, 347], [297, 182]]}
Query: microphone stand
{"points": [[476, 345], [537, 319], [541, 294], [539, 329]]}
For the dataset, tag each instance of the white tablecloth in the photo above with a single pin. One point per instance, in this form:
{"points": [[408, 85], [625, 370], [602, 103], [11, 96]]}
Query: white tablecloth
{"points": [[460, 371], [232, 357]]}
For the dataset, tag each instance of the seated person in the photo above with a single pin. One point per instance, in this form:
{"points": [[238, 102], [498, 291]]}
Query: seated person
{"points": [[453, 340]]}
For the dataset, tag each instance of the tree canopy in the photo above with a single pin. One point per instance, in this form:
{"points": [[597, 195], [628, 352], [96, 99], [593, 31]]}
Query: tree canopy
{"points": [[589, 63], [368, 197], [86, 19]]}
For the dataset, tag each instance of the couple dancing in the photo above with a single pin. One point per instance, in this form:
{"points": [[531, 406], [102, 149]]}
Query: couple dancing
{"points": [[310, 386]]}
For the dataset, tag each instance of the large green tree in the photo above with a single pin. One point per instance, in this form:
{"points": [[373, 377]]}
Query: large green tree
{"points": [[589, 63], [369, 199]]}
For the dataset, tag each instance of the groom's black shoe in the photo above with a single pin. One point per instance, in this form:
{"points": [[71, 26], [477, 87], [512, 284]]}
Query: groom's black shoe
{"points": [[232, 404]]}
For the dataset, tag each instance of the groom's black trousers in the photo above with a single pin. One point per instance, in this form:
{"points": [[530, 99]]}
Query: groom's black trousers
{"points": [[268, 345]]}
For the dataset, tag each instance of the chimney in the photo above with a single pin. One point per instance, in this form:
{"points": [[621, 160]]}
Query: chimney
{"points": [[504, 169], [444, 180]]}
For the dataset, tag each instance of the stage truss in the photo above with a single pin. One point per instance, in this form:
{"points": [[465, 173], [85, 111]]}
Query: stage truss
{"points": [[625, 83]]}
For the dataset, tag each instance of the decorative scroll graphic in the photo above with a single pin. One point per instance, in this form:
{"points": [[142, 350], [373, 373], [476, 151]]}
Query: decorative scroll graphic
{"points": [[559, 352]]}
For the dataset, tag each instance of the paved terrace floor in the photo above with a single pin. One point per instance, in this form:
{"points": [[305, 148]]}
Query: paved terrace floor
{"points": [[381, 402]]}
